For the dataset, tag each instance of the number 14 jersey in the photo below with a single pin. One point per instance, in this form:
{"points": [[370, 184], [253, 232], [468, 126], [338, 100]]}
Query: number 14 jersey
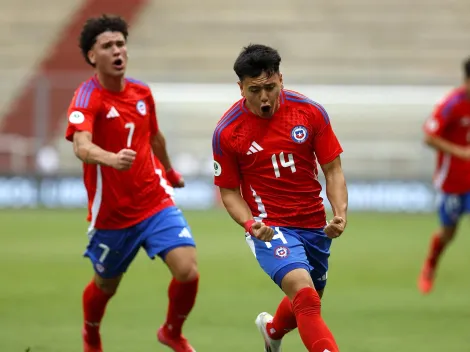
{"points": [[274, 160]]}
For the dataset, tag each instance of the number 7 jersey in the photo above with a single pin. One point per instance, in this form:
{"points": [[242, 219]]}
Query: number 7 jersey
{"points": [[274, 160], [119, 120]]}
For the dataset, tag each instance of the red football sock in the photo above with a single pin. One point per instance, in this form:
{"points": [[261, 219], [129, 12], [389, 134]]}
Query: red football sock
{"points": [[94, 306], [283, 321], [436, 249], [312, 329], [182, 297]]}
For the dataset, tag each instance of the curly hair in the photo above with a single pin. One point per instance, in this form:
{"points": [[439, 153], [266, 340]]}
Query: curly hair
{"points": [[95, 26]]}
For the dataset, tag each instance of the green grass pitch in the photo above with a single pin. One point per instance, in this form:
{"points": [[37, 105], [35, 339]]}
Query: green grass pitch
{"points": [[371, 302]]}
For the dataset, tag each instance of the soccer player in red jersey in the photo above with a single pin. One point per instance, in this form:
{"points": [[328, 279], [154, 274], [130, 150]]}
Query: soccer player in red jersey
{"points": [[448, 132], [113, 125], [266, 149]]}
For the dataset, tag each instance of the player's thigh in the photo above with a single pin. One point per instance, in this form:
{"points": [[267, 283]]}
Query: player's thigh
{"points": [[182, 262], [450, 209], [294, 281], [317, 247], [168, 235], [285, 253], [112, 251]]}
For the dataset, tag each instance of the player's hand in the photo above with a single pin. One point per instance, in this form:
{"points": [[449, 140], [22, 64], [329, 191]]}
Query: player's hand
{"points": [[175, 178], [262, 232], [335, 228], [124, 159]]}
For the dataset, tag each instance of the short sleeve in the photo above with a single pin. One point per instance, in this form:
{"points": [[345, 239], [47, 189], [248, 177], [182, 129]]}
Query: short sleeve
{"points": [[153, 116], [226, 171], [83, 109], [325, 143], [440, 118]]}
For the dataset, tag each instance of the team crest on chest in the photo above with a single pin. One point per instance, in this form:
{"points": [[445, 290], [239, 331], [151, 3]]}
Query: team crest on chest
{"points": [[141, 107], [299, 134]]}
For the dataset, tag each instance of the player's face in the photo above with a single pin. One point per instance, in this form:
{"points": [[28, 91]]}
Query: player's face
{"points": [[109, 54], [262, 93]]}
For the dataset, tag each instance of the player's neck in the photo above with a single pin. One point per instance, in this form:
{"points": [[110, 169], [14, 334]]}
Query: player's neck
{"points": [[114, 84]]}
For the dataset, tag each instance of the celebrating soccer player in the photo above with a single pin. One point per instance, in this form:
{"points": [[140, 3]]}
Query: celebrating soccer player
{"points": [[448, 132], [266, 149], [113, 125]]}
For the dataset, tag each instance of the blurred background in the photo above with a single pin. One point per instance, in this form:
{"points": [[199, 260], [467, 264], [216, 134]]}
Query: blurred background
{"points": [[378, 67]]}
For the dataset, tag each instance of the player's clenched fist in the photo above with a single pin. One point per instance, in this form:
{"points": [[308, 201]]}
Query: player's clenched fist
{"points": [[335, 228], [259, 230], [123, 159]]}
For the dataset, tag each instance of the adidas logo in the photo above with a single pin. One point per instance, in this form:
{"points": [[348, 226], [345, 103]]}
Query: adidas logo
{"points": [[112, 113], [255, 148]]}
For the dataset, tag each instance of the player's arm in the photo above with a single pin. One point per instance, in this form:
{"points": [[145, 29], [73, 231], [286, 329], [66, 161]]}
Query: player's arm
{"points": [[236, 205], [227, 178], [158, 144], [84, 108], [328, 150], [90, 153], [434, 128], [240, 212], [336, 190]]}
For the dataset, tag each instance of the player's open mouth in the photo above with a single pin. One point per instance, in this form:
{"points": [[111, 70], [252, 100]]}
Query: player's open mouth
{"points": [[265, 109], [118, 64]]}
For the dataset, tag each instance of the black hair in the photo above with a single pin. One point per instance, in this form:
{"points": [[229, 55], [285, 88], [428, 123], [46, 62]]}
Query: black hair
{"points": [[466, 68], [255, 59], [95, 26]]}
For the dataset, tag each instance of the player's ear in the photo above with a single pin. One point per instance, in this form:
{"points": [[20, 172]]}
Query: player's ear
{"points": [[91, 57], [281, 80], [240, 84]]}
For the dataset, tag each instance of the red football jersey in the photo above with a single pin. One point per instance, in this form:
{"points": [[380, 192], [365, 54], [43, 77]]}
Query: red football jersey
{"points": [[127, 119], [451, 121], [275, 160]]}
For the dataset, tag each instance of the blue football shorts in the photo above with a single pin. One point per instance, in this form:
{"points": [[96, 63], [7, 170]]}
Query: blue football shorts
{"points": [[112, 251], [293, 248], [451, 207]]}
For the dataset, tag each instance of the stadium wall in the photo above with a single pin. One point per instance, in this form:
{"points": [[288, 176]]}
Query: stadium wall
{"points": [[368, 120]]}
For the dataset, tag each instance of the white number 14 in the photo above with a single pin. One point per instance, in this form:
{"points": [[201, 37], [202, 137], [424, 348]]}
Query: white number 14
{"points": [[284, 163]]}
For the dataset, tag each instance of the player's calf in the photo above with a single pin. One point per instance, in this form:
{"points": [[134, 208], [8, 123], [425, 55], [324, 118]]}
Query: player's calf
{"points": [[306, 305], [183, 289], [439, 242], [95, 299]]}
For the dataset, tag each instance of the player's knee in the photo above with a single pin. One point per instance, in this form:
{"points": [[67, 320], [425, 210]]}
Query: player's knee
{"points": [[296, 280], [182, 262], [447, 233], [187, 272], [108, 286]]}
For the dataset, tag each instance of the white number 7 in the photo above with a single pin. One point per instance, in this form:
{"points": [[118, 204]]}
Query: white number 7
{"points": [[105, 253], [131, 127]]}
